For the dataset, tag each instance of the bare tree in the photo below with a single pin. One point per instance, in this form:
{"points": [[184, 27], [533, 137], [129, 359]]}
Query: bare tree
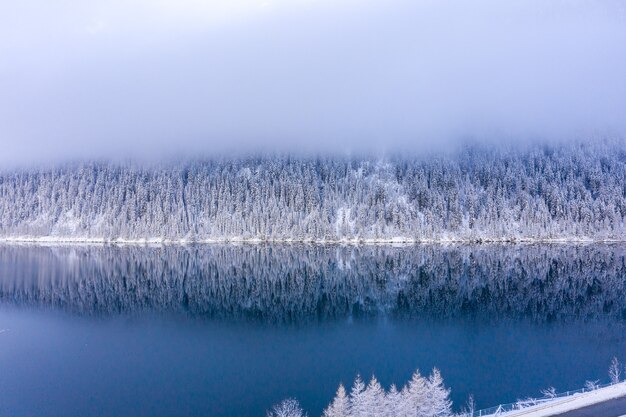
{"points": [[549, 392], [469, 408], [615, 371], [287, 408]]}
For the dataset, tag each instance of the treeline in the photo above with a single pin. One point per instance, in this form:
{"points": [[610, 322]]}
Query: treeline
{"points": [[294, 283], [477, 193]]}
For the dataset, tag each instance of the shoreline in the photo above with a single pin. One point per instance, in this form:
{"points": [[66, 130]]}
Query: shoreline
{"points": [[66, 240]]}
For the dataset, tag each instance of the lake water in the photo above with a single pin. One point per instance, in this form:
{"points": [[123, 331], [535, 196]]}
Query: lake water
{"points": [[226, 330]]}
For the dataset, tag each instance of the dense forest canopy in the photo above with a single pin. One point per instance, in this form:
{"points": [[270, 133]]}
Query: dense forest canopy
{"points": [[476, 193]]}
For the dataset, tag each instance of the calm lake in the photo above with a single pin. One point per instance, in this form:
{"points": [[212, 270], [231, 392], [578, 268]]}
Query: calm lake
{"points": [[227, 330]]}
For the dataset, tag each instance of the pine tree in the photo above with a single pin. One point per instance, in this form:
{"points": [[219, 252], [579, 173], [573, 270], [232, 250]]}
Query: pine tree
{"points": [[358, 404], [374, 399], [394, 405], [439, 404], [340, 407], [415, 396]]}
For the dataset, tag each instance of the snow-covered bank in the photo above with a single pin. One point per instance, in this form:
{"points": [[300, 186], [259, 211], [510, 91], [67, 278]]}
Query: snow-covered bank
{"points": [[571, 402], [61, 240]]}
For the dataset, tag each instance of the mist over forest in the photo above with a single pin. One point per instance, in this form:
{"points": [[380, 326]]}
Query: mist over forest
{"points": [[568, 191]]}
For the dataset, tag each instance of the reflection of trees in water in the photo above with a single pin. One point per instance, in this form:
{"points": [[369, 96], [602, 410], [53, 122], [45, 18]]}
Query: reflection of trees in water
{"points": [[286, 283]]}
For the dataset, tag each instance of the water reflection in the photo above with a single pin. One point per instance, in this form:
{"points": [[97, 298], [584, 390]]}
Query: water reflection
{"points": [[287, 283]]}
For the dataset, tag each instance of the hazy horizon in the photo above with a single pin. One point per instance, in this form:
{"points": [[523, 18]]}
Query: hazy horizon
{"points": [[139, 78]]}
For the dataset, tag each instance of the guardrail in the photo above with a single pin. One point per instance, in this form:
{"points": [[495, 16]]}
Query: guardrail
{"points": [[530, 402]]}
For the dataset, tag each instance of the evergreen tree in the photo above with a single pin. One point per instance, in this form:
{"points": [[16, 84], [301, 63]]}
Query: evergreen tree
{"points": [[340, 407]]}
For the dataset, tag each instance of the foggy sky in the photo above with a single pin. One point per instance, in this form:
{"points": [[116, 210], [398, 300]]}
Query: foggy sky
{"points": [[138, 77]]}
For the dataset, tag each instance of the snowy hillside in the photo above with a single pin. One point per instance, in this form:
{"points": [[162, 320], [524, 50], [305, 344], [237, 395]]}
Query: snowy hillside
{"points": [[572, 192]]}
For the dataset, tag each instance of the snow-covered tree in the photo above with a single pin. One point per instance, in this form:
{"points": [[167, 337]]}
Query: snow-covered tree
{"points": [[394, 406], [615, 371], [439, 404], [358, 399], [340, 407], [374, 399], [476, 193], [421, 397], [287, 408], [549, 392], [416, 397]]}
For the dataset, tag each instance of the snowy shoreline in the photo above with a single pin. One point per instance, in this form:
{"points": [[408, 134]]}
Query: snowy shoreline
{"points": [[569, 403], [47, 240]]}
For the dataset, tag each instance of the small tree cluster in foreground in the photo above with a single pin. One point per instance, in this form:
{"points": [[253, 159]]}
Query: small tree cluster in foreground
{"points": [[420, 397]]}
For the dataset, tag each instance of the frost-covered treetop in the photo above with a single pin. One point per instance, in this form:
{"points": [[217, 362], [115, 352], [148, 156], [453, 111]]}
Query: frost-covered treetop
{"points": [[542, 192]]}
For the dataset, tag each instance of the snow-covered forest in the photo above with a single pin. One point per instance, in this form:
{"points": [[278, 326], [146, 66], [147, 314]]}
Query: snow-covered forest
{"points": [[296, 283], [572, 191], [420, 397]]}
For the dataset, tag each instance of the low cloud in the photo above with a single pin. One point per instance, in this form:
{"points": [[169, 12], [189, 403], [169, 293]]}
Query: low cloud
{"points": [[136, 78]]}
